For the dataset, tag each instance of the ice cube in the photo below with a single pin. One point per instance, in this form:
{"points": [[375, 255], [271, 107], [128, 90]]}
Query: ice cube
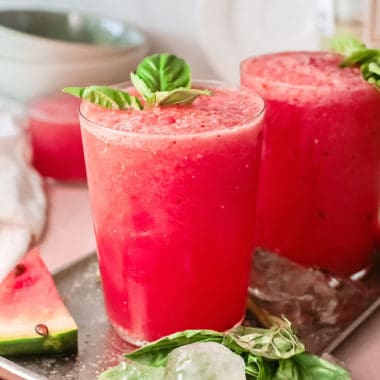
{"points": [[204, 361], [319, 304]]}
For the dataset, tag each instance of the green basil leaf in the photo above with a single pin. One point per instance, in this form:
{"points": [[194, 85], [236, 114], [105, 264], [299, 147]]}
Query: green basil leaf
{"points": [[375, 81], [107, 97], [156, 354], [309, 367], [141, 86], [274, 353], [278, 342], [132, 371], [164, 79], [178, 96], [164, 72], [259, 368], [345, 44], [366, 74], [359, 56], [374, 68], [161, 79]]}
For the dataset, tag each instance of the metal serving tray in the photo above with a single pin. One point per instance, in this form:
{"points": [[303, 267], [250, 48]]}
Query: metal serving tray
{"points": [[99, 347]]}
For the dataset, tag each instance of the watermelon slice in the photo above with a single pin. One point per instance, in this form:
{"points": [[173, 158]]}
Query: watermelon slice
{"points": [[33, 318]]}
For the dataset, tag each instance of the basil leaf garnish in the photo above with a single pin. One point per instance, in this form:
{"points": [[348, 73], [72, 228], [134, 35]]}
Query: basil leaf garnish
{"points": [[161, 79], [359, 57], [346, 45], [141, 86], [164, 79], [269, 354], [309, 367], [164, 72], [259, 368], [357, 54], [107, 97], [278, 342], [178, 96]]}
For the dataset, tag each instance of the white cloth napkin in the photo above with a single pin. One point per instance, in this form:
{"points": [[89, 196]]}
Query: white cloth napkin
{"points": [[22, 199]]}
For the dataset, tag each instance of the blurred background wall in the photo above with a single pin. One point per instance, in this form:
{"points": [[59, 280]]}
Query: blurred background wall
{"points": [[171, 25], [214, 35]]}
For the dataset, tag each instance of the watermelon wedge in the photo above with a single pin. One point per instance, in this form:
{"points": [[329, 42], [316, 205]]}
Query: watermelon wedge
{"points": [[33, 318]]}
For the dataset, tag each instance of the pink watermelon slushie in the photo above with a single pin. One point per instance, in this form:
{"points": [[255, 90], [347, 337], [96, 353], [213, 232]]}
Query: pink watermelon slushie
{"points": [[55, 135], [173, 196], [320, 175]]}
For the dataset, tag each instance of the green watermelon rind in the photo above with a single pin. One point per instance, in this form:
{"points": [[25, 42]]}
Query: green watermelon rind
{"points": [[62, 342], [17, 323]]}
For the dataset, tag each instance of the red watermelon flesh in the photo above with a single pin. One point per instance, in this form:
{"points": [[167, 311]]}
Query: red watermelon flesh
{"points": [[33, 318]]}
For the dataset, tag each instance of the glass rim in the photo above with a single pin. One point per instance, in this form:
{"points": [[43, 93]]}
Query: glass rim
{"points": [[207, 83], [286, 85]]}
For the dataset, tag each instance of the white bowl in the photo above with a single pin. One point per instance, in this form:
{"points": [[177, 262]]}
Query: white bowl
{"points": [[52, 36], [24, 81]]}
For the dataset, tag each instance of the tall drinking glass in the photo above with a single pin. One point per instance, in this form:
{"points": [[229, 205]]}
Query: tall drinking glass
{"points": [[173, 197], [319, 189]]}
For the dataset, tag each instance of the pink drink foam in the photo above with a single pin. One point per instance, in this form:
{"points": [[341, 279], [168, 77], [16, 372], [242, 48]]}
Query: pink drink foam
{"points": [[302, 77], [304, 69], [224, 110]]}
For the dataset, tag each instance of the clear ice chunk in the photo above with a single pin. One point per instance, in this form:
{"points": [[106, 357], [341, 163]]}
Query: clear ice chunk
{"points": [[319, 304], [204, 361]]}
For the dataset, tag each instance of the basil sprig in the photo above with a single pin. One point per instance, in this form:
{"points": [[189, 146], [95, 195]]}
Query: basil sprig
{"points": [[164, 79], [161, 80], [269, 354], [357, 54], [107, 97]]}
